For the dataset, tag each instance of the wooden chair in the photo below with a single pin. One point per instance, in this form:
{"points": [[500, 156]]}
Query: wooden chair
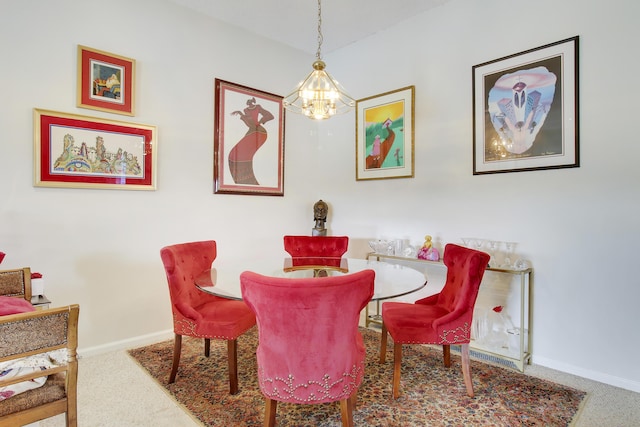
{"points": [[36, 333], [200, 315], [440, 319], [310, 350], [16, 283]]}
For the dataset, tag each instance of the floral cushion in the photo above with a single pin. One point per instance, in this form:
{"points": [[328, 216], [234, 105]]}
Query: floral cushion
{"points": [[27, 365]]}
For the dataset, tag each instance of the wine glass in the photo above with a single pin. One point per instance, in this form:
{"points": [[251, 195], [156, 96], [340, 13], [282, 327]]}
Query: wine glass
{"points": [[493, 247], [477, 243], [510, 246]]}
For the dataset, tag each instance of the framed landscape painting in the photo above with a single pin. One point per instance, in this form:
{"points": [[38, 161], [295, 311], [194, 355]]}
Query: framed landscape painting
{"points": [[525, 110], [384, 135], [72, 151], [248, 141], [105, 81]]}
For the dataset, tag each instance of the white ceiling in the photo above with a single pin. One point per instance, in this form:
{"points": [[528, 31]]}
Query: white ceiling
{"points": [[295, 22]]}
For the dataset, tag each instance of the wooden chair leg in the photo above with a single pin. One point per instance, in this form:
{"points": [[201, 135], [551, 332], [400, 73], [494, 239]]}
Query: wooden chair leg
{"points": [[346, 412], [270, 408], [71, 416], [383, 344], [466, 369], [232, 355], [177, 346], [354, 399], [207, 347], [446, 353], [397, 361]]}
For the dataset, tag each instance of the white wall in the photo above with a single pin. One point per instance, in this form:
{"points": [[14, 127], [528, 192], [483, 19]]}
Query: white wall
{"points": [[99, 248], [578, 226]]}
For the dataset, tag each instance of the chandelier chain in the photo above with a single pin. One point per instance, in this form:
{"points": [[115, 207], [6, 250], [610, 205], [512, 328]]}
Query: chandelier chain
{"points": [[318, 54]]}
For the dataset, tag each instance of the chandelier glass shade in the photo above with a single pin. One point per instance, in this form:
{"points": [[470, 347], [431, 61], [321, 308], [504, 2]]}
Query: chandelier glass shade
{"points": [[319, 96]]}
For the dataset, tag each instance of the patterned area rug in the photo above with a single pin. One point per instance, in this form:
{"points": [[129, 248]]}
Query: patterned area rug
{"points": [[431, 395]]}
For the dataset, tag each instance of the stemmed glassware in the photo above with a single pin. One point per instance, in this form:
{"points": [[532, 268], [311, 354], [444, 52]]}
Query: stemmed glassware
{"points": [[478, 243], [493, 248], [510, 246], [379, 246]]}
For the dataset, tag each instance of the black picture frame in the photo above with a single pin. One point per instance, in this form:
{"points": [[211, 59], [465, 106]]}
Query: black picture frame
{"points": [[525, 110]]}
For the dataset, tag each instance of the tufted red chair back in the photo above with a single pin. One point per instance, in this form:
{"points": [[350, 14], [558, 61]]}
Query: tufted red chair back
{"points": [[310, 349], [316, 246], [182, 263], [465, 268]]}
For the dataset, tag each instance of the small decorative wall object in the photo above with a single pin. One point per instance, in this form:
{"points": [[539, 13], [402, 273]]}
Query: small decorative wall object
{"points": [[384, 135], [105, 81], [85, 152], [525, 110], [248, 141]]}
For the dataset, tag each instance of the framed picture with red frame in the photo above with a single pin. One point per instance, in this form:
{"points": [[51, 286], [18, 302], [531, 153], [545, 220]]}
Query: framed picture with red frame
{"points": [[85, 152], [105, 81]]}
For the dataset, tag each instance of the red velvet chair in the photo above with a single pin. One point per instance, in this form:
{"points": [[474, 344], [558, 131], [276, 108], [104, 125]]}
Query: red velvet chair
{"points": [[197, 314], [443, 318], [310, 349], [316, 246], [316, 251]]}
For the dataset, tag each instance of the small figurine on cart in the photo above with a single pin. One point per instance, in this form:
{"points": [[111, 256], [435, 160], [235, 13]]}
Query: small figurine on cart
{"points": [[427, 251]]}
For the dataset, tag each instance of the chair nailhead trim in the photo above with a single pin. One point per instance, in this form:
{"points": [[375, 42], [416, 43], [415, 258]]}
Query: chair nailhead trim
{"points": [[285, 389]]}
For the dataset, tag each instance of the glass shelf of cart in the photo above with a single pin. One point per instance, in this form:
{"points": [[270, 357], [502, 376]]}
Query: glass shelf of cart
{"points": [[440, 263]]}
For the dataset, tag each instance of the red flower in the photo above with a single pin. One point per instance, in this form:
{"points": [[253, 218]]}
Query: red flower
{"points": [[498, 308]]}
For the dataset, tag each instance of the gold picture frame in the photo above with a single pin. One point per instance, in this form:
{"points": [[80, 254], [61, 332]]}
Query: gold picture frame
{"points": [[73, 151], [105, 81], [385, 135]]}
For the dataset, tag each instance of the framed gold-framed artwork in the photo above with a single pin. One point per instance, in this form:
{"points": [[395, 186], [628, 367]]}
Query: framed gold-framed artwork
{"points": [[248, 141], [525, 110], [385, 135], [72, 151], [105, 81]]}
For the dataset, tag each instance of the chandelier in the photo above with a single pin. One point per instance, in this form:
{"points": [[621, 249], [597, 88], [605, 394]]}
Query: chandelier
{"points": [[319, 96]]}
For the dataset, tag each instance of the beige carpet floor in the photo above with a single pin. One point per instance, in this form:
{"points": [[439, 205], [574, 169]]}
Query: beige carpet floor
{"points": [[115, 392]]}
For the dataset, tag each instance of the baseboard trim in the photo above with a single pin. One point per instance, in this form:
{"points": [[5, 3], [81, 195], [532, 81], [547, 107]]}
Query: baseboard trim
{"points": [[588, 374], [139, 341]]}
